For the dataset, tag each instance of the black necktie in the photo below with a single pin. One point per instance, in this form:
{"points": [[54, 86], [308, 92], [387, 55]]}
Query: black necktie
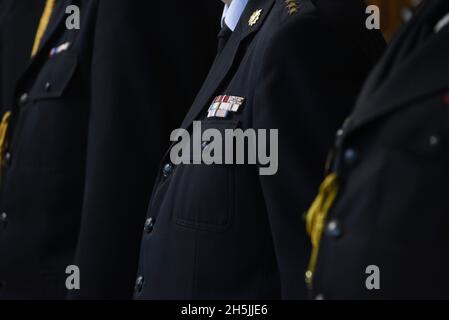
{"points": [[223, 37]]}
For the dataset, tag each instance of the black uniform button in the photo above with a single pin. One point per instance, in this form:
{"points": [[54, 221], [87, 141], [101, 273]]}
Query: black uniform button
{"points": [[319, 297], [149, 225], [434, 141], [333, 229], [167, 170], [8, 159], [23, 99], [139, 284], [4, 219], [340, 133], [47, 87], [351, 157]]}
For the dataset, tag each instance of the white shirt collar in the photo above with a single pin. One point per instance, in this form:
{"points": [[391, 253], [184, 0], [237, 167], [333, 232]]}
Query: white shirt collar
{"points": [[232, 13]]}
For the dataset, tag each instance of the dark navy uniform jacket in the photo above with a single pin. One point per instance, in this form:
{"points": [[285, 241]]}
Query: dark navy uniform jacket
{"points": [[392, 162], [42, 183], [224, 231], [84, 143]]}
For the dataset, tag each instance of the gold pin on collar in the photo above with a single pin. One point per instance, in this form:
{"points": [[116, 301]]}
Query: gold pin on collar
{"points": [[255, 17], [292, 6]]}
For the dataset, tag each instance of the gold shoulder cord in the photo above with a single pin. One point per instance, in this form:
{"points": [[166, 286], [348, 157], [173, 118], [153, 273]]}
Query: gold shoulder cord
{"points": [[316, 218], [43, 24]]}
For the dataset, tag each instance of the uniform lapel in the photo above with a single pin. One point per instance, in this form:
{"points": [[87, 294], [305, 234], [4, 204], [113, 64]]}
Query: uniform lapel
{"points": [[44, 48], [57, 18], [227, 58], [424, 72], [388, 63], [380, 72]]}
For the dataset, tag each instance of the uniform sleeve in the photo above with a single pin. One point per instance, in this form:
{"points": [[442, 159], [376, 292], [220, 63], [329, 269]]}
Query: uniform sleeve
{"points": [[308, 85], [123, 150]]}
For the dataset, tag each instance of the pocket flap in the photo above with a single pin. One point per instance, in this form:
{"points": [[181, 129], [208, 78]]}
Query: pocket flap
{"points": [[54, 77]]}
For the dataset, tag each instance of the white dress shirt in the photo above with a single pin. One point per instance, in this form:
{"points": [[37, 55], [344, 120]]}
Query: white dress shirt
{"points": [[232, 13]]}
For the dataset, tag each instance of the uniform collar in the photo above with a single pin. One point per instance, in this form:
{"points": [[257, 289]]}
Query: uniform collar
{"points": [[232, 13]]}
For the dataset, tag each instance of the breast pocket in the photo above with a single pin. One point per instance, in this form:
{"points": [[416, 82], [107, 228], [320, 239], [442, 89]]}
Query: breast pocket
{"points": [[205, 194], [51, 127], [54, 77]]}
